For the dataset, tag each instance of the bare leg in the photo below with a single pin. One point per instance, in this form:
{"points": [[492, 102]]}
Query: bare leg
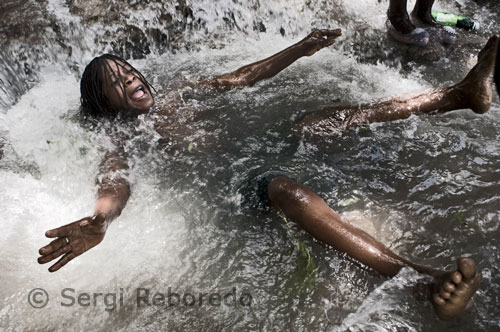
{"points": [[422, 11], [398, 15], [308, 209], [473, 92], [452, 290], [400, 28]]}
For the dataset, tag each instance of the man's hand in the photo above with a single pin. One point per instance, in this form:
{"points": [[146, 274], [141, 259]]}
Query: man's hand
{"points": [[252, 73], [319, 39], [73, 240]]}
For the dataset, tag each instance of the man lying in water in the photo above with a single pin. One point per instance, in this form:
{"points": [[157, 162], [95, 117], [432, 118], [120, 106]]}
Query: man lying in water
{"points": [[110, 87]]}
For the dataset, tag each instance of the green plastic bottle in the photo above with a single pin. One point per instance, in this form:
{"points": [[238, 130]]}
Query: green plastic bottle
{"points": [[453, 20]]}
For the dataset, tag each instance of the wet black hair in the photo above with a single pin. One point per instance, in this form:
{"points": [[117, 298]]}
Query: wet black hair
{"points": [[94, 103]]}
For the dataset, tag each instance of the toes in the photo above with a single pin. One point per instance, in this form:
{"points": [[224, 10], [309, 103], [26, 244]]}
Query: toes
{"points": [[444, 295], [467, 267], [456, 289], [449, 287], [456, 277], [438, 300]]}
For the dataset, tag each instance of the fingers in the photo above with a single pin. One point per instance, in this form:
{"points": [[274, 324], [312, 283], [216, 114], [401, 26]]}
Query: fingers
{"points": [[54, 245], [320, 33], [324, 37], [59, 232], [47, 258], [318, 39], [330, 33], [98, 220], [63, 261], [328, 42]]}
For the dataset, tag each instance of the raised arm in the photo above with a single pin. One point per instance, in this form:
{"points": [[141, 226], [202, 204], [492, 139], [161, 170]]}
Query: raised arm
{"points": [[254, 72], [113, 191]]}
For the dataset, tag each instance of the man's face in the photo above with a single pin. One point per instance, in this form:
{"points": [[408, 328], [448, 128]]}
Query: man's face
{"points": [[124, 88]]}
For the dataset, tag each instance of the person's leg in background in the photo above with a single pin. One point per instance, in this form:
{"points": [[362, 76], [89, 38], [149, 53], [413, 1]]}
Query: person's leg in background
{"points": [[400, 27], [418, 30], [398, 15], [422, 11]]}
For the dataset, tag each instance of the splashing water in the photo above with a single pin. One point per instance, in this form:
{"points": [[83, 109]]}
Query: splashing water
{"points": [[428, 187]]}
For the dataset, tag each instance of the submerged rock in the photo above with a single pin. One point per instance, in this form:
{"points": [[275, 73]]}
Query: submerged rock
{"points": [[132, 34]]}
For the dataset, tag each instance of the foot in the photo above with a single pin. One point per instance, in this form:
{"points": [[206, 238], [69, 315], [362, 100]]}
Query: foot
{"points": [[475, 87], [454, 290], [437, 32], [417, 36]]}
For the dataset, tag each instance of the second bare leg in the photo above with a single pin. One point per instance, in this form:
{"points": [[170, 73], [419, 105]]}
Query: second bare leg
{"points": [[452, 290], [307, 209], [473, 92]]}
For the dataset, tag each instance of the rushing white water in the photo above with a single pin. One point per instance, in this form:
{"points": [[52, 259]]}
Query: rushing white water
{"points": [[426, 186]]}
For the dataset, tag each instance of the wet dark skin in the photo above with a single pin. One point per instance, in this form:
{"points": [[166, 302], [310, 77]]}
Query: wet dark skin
{"points": [[473, 92], [77, 237], [452, 290], [398, 15]]}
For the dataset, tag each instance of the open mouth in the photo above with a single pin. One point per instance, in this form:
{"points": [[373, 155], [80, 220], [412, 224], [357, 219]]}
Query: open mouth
{"points": [[139, 93]]}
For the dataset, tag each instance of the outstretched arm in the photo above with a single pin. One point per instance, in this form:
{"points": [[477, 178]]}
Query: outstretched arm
{"points": [[254, 72], [72, 240], [113, 188]]}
